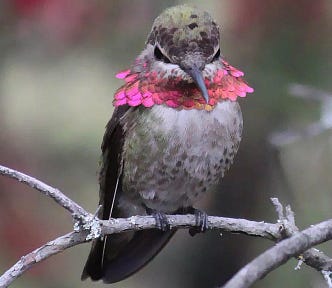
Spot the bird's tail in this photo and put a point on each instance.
(118, 256)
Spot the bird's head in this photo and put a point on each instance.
(181, 65)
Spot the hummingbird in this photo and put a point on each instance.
(174, 132)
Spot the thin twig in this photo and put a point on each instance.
(76, 210)
(308, 92)
(50, 248)
(290, 136)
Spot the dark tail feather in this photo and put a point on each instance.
(140, 250)
(92, 266)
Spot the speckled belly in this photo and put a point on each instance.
(173, 157)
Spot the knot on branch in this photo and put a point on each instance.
(89, 223)
(286, 219)
(328, 278)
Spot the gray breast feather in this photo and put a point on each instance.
(171, 157)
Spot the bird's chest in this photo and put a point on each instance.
(171, 157)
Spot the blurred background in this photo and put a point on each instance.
(58, 59)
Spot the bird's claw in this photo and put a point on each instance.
(201, 223)
(161, 219)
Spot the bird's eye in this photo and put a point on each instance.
(216, 56)
(160, 56)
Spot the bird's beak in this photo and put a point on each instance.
(197, 76)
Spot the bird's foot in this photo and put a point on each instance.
(161, 219)
(201, 221)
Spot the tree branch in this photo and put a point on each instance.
(261, 229)
(88, 227)
(49, 249)
(280, 253)
(76, 210)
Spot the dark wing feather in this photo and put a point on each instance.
(110, 172)
(118, 256)
(111, 167)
